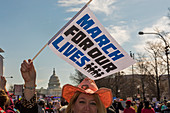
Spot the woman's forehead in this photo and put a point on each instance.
(86, 96)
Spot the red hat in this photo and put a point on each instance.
(128, 102)
(88, 86)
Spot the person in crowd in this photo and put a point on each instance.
(163, 105)
(6, 103)
(85, 97)
(16, 106)
(135, 106)
(41, 106)
(167, 110)
(56, 106)
(3, 100)
(140, 107)
(128, 108)
(157, 108)
(111, 109)
(63, 106)
(147, 108)
(49, 107)
(118, 106)
(28, 101)
(60, 106)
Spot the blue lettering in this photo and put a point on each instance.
(117, 55)
(76, 55)
(82, 63)
(57, 41)
(102, 40)
(70, 50)
(64, 47)
(94, 32)
(108, 47)
(85, 23)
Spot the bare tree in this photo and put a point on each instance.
(157, 65)
(115, 82)
(77, 78)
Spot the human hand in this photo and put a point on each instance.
(58, 105)
(3, 83)
(28, 73)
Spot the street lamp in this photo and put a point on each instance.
(9, 77)
(133, 56)
(166, 52)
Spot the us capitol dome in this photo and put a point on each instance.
(53, 89)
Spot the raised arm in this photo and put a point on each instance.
(29, 75)
(3, 83)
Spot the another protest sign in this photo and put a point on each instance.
(18, 90)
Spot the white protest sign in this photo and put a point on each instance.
(18, 89)
(85, 44)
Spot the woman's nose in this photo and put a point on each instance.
(87, 107)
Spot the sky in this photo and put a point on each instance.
(27, 25)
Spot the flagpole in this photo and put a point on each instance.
(39, 52)
(49, 41)
(88, 2)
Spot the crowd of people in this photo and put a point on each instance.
(84, 98)
(139, 107)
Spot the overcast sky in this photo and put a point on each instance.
(27, 25)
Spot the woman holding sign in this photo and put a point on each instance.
(84, 98)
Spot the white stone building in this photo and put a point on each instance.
(53, 89)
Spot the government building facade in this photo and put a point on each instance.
(53, 89)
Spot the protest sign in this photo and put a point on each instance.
(18, 89)
(85, 44)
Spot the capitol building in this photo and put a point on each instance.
(53, 89)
